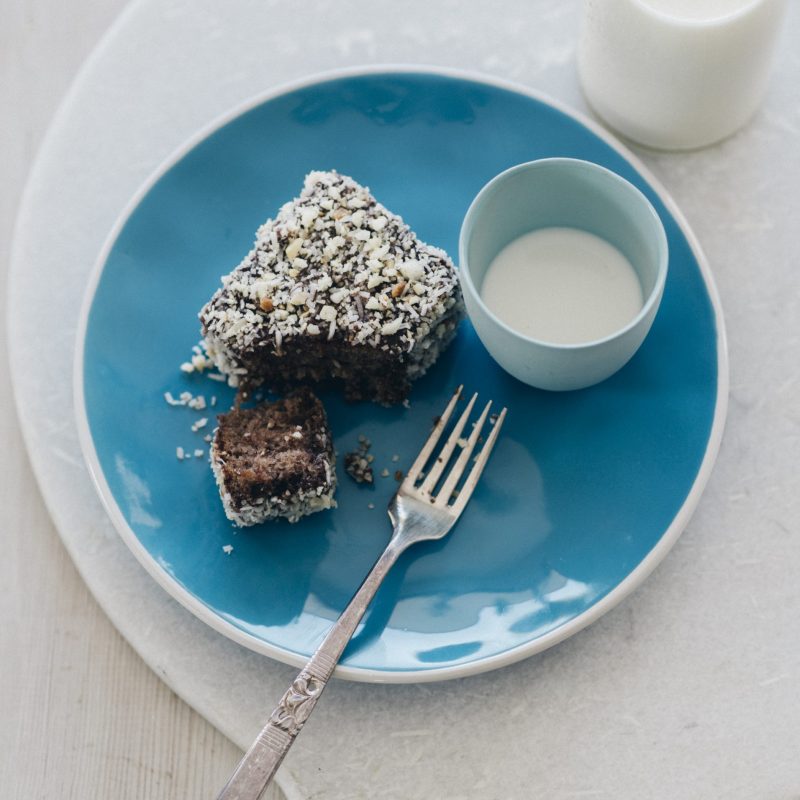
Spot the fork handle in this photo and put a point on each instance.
(260, 763)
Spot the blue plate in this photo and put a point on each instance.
(585, 492)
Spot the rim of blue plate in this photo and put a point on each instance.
(547, 640)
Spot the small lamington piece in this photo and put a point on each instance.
(336, 287)
(274, 460)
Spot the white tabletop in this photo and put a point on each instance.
(688, 689)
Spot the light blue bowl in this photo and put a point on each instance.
(561, 192)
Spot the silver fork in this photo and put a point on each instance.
(418, 513)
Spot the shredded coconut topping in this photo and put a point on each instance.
(333, 263)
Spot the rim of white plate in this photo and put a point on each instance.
(606, 603)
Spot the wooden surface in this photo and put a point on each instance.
(81, 716)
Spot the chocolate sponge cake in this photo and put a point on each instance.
(274, 460)
(335, 287)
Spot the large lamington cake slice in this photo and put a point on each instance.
(275, 460)
(336, 286)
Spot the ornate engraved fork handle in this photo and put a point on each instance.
(260, 763)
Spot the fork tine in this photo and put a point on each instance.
(443, 495)
(425, 453)
(437, 469)
(475, 474)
